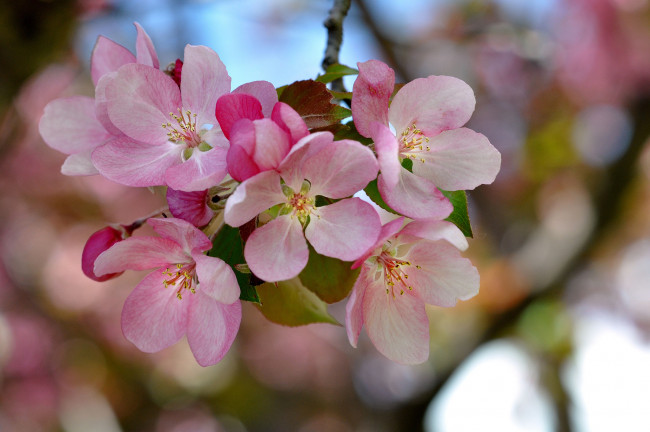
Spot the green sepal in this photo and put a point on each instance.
(228, 246)
(329, 278)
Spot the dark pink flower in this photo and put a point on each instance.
(99, 242)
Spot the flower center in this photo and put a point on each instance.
(414, 142)
(392, 268)
(184, 129)
(299, 204)
(184, 276)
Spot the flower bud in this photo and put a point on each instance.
(97, 243)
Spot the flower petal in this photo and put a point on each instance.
(253, 196)
(182, 232)
(190, 206)
(271, 144)
(107, 57)
(371, 94)
(344, 230)
(278, 250)
(354, 308)
(459, 159)
(205, 79)
(232, 107)
(211, 328)
(241, 165)
(139, 100)
(434, 104)
(144, 50)
(291, 167)
(397, 324)
(153, 318)
(340, 169)
(263, 91)
(435, 229)
(79, 164)
(415, 197)
(202, 170)
(387, 231)
(139, 253)
(136, 164)
(290, 121)
(69, 125)
(444, 277)
(387, 148)
(101, 104)
(216, 279)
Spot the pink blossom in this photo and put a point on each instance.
(97, 243)
(427, 115)
(190, 206)
(259, 138)
(315, 166)
(406, 269)
(188, 293)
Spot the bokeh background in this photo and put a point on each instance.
(557, 339)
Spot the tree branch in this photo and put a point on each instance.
(334, 26)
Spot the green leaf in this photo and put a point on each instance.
(336, 71)
(290, 303)
(312, 100)
(227, 245)
(341, 95)
(373, 193)
(329, 278)
(349, 131)
(459, 216)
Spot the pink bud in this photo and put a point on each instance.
(97, 243)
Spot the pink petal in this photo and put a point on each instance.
(397, 324)
(415, 197)
(69, 125)
(99, 242)
(263, 91)
(241, 165)
(271, 144)
(433, 229)
(434, 104)
(139, 253)
(190, 206)
(211, 328)
(444, 277)
(387, 149)
(291, 167)
(340, 169)
(144, 50)
(153, 317)
(79, 164)
(252, 197)
(344, 230)
(201, 171)
(370, 95)
(354, 308)
(459, 159)
(101, 104)
(216, 279)
(290, 121)
(139, 100)
(278, 250)
(136, 164)
(182, 232)
(205, 79)
(232, 107)
(107, 57)
(387, 231)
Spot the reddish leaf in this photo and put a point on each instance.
(312, 100)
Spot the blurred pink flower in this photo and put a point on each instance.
(406, 269)
(428, 115)
(204, 303)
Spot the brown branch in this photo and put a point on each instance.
(334, 26)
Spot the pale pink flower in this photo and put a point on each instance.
(77, 125)
(259, 138)
(315, 166)
(188, 293)
(427, 115)
(406, 269)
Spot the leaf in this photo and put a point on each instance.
(312, 100)
(329, 278)
(290, 303)
(341, 95)
(373, 193)
(459, 216)
(336, 71)
(349, 131)
(228, 246)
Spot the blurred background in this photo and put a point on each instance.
(557, 339)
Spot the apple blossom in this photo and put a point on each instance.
(188, 293)
(316, 165)
(404, 270)
(427, 115)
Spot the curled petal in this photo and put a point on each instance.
(415, 197)
(271, 144)
(354, 307)
(263, 91)
(387, 149)
(144, 51)
(79, 164)
(371, 94)
(153, 318)
(190, 206)
(97, 243)
(139, 253)
(434, 229)
(278, 250)
(232, 107)
(211, 328)
(290, 121)
(182, 232)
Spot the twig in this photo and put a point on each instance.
(334, 25)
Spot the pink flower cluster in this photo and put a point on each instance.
(245, 159)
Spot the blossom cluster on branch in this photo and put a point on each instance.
(263, 183)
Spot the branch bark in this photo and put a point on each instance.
(334, 26)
